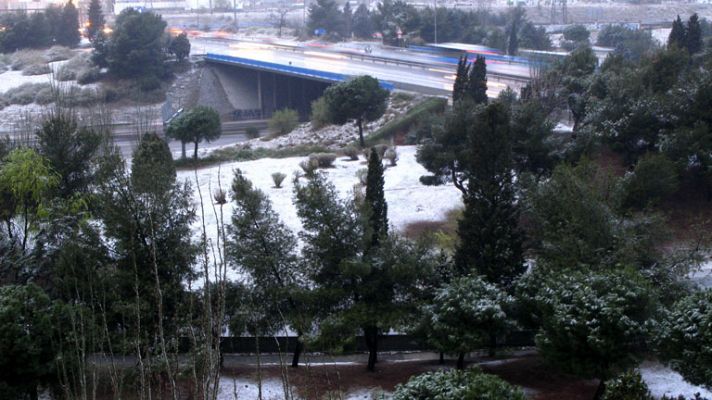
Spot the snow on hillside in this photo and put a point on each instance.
(408, 200)
(663, 381)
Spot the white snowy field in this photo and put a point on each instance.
(408, 200)
(662, 381)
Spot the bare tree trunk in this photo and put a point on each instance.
(461, 361)
(362, 142)
(298, 349)
(371, 335)
(195, 152)
(182, 144)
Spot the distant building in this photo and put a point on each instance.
(120, 5)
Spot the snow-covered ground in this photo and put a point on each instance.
(702, 277)
(663, 381)
(408, 200)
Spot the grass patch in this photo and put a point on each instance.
(442, 234)
(430, 105)
(232, 154)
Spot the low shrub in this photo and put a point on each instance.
(252, 132)
(58, 53)
(283, 121)
(309, 166)
(351, 152)
(36, 69)
(430, 180)
(391, 155)
(45, 95)
(627, 386)
(22, 58)
(149, 83)
(323, 160)
(65, 74)
(278, 178)
(362, 176)
(88, 75)
(654, 179)
(433, 105)
(470, 384)
(25, 93)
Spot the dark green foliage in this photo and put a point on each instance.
(627, 386)
(465, 315)
(631, 44)
(152, 168)
(283, 121)
(180, 47)
(694, 35)
(533, 147)
(490, 241)
(477, 81)
(516, 18)
(375, 201)
(26, 353)
(70, 150)
(577, 33)
(459, 89)
(96, 19)
(195, 125)
(534, 38)
(68, 31)
(136, 46)
(471, 385)
(678, 34)
(262, 247)
(101, 50)
(684, 338)
(594, 324)
(654, 179)
(325, 14)
(362, 23)
(429, 107)
(361, 99)
(348, 20)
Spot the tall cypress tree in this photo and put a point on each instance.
(375, 201)
(694, 35)
(96, 19)
(459, 89)
(490, 241)
(477, 81)
(678, 35)
(68, 31)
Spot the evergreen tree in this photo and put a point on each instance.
(362, 23)
(180, 47)
(375, 201)
(136, 47)
(348, 20)
(96, 19)
(694, 35)
(265, 249)
(490, 241)
(515, 23)
(459, 89)
(678, 34)
(195, 125)
(68, 31)
(477, 81)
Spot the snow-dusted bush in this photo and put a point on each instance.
(88, 75)
(430, 180)
(319, 113)
(324, 160)
(471, 384)
(684, 338)
(72, 68)
(309, 166)
(594, 323)
(351, 152)
(362, 176)
(627, 386)
(58, 53)
(654, 179)
(466, 315)
(36, 69)
(65, 74)
(22, 58)
(45, 95)
(392, 156)
(278, 178)
(25, 93)
(252, 132)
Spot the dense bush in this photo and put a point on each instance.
(252, 132)
(323, 160)
(283, 121)
(351, 152)
(430, 180)
(88, 75)
(433, 105)
(453, 385)
(627, 386)
(391, 155)
(25, 93)
(320, 113)
(58, 53)
(36, 69)
(654, 179)
(23, 58)
(684, 339)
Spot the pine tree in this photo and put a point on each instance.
(266, 250)
(477, 81)
(375, 201)
(459, 89)
(490, 241)
(68, 32)
(96, 19)
(694, 35)
(678, 34)
(348, 19)
(362, 23)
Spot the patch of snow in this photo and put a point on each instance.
(663, 381)
(13, 79)
(241, 388)
(408, 200)
(702, 277)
